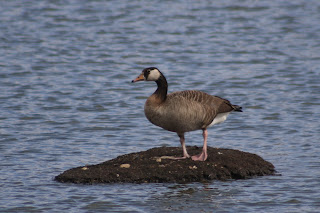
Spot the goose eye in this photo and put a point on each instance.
(146, 74)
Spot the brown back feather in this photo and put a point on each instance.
(210, 105)
(216, 103)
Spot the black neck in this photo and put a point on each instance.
(162, 89)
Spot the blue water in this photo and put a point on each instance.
(66, 99)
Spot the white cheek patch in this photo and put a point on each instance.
(154, 75)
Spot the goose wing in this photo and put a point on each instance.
(215, 103)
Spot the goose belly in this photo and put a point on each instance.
(172, 120)
(219, 118)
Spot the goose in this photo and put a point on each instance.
(184, 111)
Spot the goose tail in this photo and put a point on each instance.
(237, 108)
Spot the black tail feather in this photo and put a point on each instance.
(237, 108)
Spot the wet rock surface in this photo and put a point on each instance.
(151, 167)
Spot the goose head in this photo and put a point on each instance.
(149, 74)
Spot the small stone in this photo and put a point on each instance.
(84, 168)
(193, 167)
(125, 165)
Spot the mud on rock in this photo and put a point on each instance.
(149, 167)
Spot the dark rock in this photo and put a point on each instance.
(147, 167)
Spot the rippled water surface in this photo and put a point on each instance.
(66, 99)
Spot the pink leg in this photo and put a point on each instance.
(185, 153)
(203, 155)
(183, 144)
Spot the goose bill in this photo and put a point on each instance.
(139, 78)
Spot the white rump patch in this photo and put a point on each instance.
(153, 75)
(220, 118)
